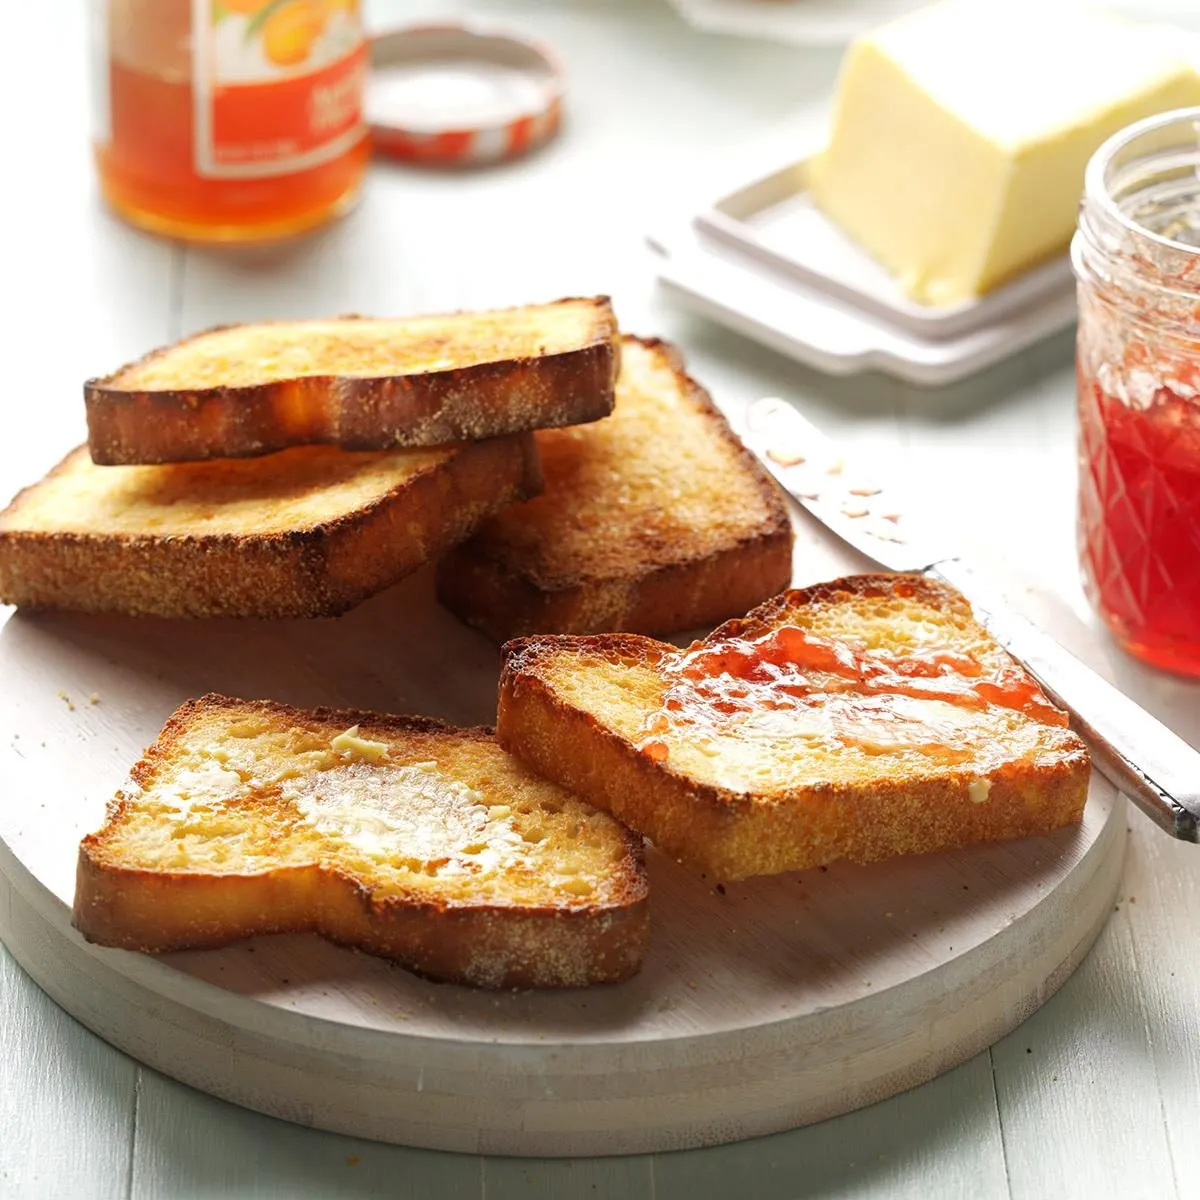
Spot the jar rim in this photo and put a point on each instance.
(1096, 181)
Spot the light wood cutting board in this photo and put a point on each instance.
(763, 1006)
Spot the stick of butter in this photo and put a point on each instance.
(961, 134)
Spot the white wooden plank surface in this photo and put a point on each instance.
(1063, 1081)
(896, 1150)
(648, 101)
(647, 98)
(66, 1100)
(1158, 906)
(549, 1179)
(191, 1145)
(81, 289)
(1162, 895)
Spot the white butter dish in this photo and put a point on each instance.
(823, 331)
(751, 251)
(773, 220)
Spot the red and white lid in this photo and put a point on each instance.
(461, 94)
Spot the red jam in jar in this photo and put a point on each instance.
(1137, 259)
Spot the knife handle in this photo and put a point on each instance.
(1153, 766)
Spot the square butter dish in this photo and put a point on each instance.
(758, 255)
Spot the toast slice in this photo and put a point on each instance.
(358, 383)
(857, 719)
(398, 835)
(307, 532)
(654, 520)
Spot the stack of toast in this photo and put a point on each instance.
(579, 492)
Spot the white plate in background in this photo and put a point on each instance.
(831, 22)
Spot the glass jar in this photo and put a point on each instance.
(1137, 260)
(229, 120)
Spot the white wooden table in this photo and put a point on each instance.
(1094, 1096)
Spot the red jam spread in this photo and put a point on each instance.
(791, 669)
(1139, 510)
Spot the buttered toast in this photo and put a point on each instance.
(358, 383)
(653, 520)
(858, 719)
(400, 836)
(303, 533)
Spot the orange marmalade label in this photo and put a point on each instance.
(277, 84)
(716, 683)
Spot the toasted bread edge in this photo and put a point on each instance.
(316, 571)
(482, 945)
(504, 604)
(470, 403)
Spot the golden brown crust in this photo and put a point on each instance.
(477, 942)
(481, 947)
(873, 585)
(731, 835)
(435, 407)
(597, 579)
(314, 570)
(662, 600)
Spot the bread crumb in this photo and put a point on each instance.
(66, 700)
(352, 1160)
(692, 984)
(94, 698)
(786, 455)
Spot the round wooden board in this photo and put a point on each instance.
(762, 1006)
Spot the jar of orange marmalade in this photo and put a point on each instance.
(1137, 260)
(229, 120)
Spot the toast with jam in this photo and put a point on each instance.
(399, 836)
(358, 383)
(858, 719)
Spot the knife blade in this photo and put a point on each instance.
(1144, 759)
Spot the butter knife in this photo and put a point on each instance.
(1153, 766)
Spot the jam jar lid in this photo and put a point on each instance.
(461, 94)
